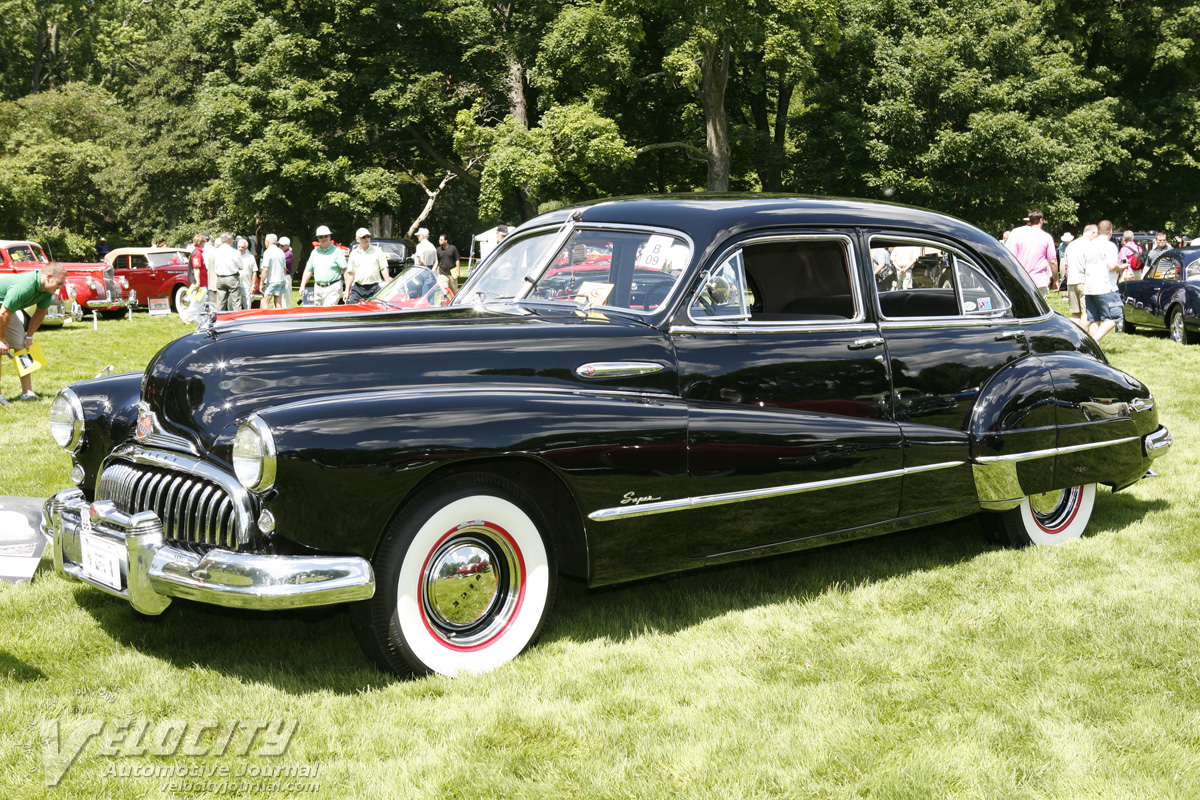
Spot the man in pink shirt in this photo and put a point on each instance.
(1034, 248)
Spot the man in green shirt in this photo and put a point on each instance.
(20, 291)
(325, 266)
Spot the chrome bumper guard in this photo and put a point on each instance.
(148, 572)
(1157, 443)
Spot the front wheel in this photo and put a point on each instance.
(1043, 519)
(465, 579)
(177, 298)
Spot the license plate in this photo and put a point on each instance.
(102, 558)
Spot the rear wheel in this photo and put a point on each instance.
(1043, 519)
(177, 295)
(465, 579)
(1176, 328)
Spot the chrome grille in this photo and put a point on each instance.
(191, 509)
(110, 284)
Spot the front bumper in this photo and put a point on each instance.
(128, 557)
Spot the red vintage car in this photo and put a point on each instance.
(89, 286)
(152, 272)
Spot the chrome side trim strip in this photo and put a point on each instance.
(706, 501)
(1053, 451)
(617, 369)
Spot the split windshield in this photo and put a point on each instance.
(635, 270)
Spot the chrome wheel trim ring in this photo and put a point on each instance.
(1177, 330)
(467, 609)
(1054, 511)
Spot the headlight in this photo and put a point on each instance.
(91, 284)
(121, 280)
(254, 455)
(1193, 271)
(66, 421)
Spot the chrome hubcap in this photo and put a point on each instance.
(471, 585)
(1053, 510)
(1177, 326)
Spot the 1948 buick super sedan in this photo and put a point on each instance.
(620, 390)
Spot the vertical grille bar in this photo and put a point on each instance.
(191, 509)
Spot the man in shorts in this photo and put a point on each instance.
(1100, 269)
(20, 291)
(1073, 259)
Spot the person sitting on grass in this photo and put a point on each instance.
(20, 291)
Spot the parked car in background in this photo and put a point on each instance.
(89, 287)
(152, 272)
(621, 390)
(1167, 298)
(397, 253)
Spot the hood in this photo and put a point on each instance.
(201, 385)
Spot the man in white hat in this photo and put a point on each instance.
(325, 266)
(274, 275)
(426, 252)
(285, 244)
(367, 269)
(226, 286)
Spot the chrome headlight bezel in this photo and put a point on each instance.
(1193, 271)
(67, 430)
(254, 454)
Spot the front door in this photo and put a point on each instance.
(786, 384)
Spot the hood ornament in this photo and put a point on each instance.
(207, 319)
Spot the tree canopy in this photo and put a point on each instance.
(139, 119)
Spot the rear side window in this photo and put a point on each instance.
(786, 280)
(924, 279)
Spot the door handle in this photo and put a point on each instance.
(1008, 336)
(866, 344)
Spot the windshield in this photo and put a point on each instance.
(414, 287)
(393, 248)
(177, 258)
(24, 253)
(630, 269)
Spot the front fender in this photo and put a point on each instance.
(1058, 420)
(109, 416)
(346, 464)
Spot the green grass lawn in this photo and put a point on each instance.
(926, 664)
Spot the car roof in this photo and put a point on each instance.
(707, 217)
(9, 242)
(145, 250)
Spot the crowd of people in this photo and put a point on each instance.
(1086, 268)
(229, 270)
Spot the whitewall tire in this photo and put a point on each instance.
(1044, 519)
(465, 580)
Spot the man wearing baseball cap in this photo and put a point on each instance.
(426, 252)
(325, 266)
(368, 268)
(285, 244)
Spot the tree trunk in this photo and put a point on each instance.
(714, 75)
(517, 104)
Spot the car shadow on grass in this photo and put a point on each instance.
(312, 650)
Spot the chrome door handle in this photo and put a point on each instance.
(866, 344)
(1008, 336)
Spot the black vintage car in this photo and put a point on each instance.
(1167, 297)
(620, 390)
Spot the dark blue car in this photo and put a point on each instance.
(1168, 297)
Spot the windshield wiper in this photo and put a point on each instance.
(560, 239)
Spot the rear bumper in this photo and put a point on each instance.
(129, 558)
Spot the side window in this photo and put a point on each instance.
(800, 280)
(138, 262)
(921, 279)
(1167, 268)
(723, 294)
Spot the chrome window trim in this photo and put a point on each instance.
(917, 241)
(927, 323)
(706, 501)
(808, 326)
(765, 326)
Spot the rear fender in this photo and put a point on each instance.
(1054, 421)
